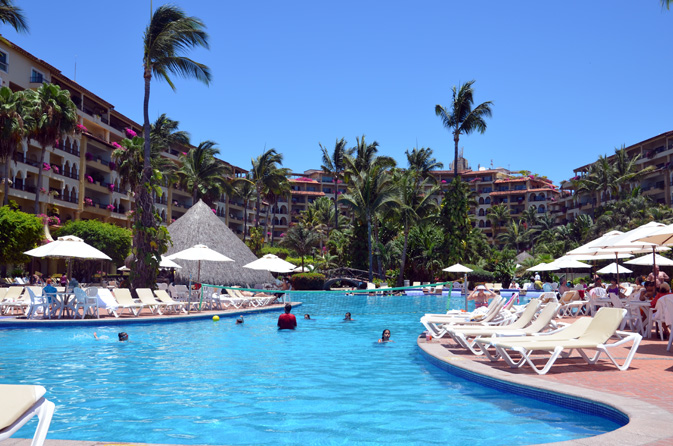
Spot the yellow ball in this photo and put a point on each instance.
(216, 318)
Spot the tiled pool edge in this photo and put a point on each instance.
(647, 423)
(42, 323)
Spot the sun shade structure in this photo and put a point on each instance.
(168, 263)
(648, 260)
(543, 267)
(305, 269)
(567, 262)
(457, 268)
(201, 226)
(68, 247)
(614, 268)
(273, 263)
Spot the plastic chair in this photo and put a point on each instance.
(37, 303)
(92, 299)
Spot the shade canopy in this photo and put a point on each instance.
(662, 236)
(167, 263)
(568, 262)
(543, 267)
(68, 247)
(201, 253)
(612, 269)
(306, 269)
(628, 242)
(124, 268)
(273, 263)
(649, 260)
(587, 248)
(457, 268)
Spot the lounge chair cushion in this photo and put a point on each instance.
(16, 400)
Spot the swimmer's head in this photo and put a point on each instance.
(385, 335)
(306, 316)
(123, 336)
(239, 320)
(347, 317)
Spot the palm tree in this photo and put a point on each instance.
(530, 216)
(300, 239)
(333, 164)
(244, 189)
(414, 205)
(516, 235)
(626, 170)
(13, 16)
(422, 162)
(12, 128)
(281, 188)
(266, 175)
(460, 117)
(365, 155)
(498, 215)
(167, 37)
(165, 135)
(666, 4)
(203, 174)
(53, 115)
(369, 192)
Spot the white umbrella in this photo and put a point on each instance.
(198, 253)
(271, 262)
(614, 268)
(586, 249)
(168, 263)
(457, 268)
(662, 236)
(569, 262)
(68, 247)
(647, 260)
(124, 268)
(543, 267)
(299, 269)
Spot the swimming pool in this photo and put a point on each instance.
(329, 382)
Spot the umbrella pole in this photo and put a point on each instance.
(199, 281)
(617, 263)
(189, 295)
(465, 287)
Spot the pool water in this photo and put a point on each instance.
(327, 383)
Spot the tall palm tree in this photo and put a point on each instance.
(244, 189)
(366, 155)
(266, 175)
(300, 239)
(12, 15)
(460, 117)
(422, 162)
(369, 191)
(281, 188)
(516, 236)
(415, 204)
(666, 4)
(168, 36)
(203, 174)
(498, 215)
(530, 216)
(626, 170)
(13, 114)
(334, 165)
(165, 135)
(53, 115)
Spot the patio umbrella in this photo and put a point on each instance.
(543, 267)
(648, 260)
(68, 247)
(199, 253)
(273, 263)
(458, 268)
(167, 263)
(614, 268)
(124, 268)
(306, 269)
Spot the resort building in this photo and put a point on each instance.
(79, 177)
(656, 152)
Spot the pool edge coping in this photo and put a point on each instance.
(646, 422)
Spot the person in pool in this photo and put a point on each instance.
(287, 321)
(123, 336)
(239, 320)
(481, 295)
(348, 317)
(385, 336)
(307, 316)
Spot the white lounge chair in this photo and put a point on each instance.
(437, 325)
(15, 299)
(163, 297)
(20, 403)
(126, 302)
(601, 328)
(147, 298)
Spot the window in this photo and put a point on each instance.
(4, 63)
(36, 77)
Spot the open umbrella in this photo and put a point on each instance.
(68, 247)
(305, 269)
(647, 260)
(614, 268)
(458, 268)
(167, 263)
(271, 262)
(199, 253)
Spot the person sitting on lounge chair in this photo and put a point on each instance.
(481, 295)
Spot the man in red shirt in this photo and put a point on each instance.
(287, 321)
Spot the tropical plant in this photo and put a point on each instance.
(364, 155)
(244, 189)
(454, 219)
(499, 216)
(333, 164)
(111, 239)
(13, 128)
(266, 175)
(516, 236)
(370, 190)
(461, 118)
(421, 162)
(53, 115)
(203, 174)
(272, 194)
(19, 232)
(416, 203)
(301, 240)
(12, 15)
(167, 37)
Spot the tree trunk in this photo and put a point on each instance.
(5, 199)
(379, 266)
(455, 155)
(266, 222)
(273, 223)
(369, 245)
(336, 205)
(400, 278)
(146, 116)
(39, 179)
(245, 219)
(259, 204)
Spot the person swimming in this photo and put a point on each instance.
(348, 317)
(239, 320)
(123, 336)
(307, 316)
(385, 336)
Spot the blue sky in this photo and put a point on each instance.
(569, 80)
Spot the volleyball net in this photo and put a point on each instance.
(392, 300)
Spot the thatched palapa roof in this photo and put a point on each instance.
(201, 226)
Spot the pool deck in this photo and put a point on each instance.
(644, 392)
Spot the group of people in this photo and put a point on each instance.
(287, 321)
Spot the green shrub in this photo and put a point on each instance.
(297, 261)
(280, 252)
(307, 281)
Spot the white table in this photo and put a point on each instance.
(646, 308)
